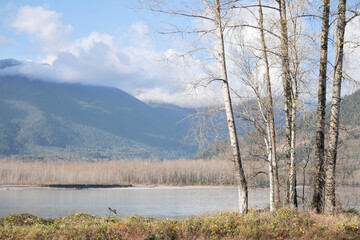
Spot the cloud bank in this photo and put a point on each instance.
(133, 63)
(102, 59)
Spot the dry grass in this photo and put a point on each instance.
(185, 172)
(170, 172)
(282, 224)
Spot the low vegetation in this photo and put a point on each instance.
(282, 224)
(217, 171)
(174, 172)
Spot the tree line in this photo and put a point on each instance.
(272, 50)
(133, 171)
(216, 171)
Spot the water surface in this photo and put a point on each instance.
(158, 202)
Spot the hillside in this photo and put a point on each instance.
(348, 163)
(47, 119)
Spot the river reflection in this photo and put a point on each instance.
(158, 202)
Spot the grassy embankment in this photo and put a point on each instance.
(283, 224)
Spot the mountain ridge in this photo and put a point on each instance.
(39, 117)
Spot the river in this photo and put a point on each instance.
(158, 202)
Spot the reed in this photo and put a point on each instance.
(172, 172)
(139, 171)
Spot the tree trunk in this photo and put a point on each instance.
(287, 91)
(273, 170)
(292, 172)
(240, 176)
(329, 204)
(318, 197)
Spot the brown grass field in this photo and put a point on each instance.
(257, 224)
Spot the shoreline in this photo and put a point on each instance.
(86, 186)
(109, 186)
(130, 186)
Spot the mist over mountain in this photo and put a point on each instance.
(71, 120)
(9, 63)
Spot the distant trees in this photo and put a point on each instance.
(130, 171)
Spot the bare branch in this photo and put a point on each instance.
(180, 14)
(255, 27)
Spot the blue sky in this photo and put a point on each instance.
(111, 43)
(85, 16)
(108, 42)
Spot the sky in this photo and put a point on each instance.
(110, 43)
(107, 43)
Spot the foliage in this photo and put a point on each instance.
(282, 224)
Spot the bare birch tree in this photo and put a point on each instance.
(250, 63)
(329, 191)
(257, 113)
(273, 169)
(240, 176)
(289, 112)
(318, 198)
(293, 56)
(214, 15)
(262, 113)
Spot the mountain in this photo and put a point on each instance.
(5, 63)
(47, 119)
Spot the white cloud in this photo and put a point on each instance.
(132, 61)
(85, 44)
(100, 59)
(352, 56)
(44, 25)
(139, 34)
(48, 59)
(159, 95)
(96, 60)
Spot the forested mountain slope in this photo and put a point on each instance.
(40, 118)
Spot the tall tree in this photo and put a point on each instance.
(318, 197)
(211, 12)
(289, 112)
(330, 166)
(273, 169)
(240, 176)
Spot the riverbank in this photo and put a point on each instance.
(257, 224)
(84, 186)
(114, 186)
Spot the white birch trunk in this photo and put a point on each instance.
(271, 170)
(270, 124)
(240, 176)
(292, 177)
